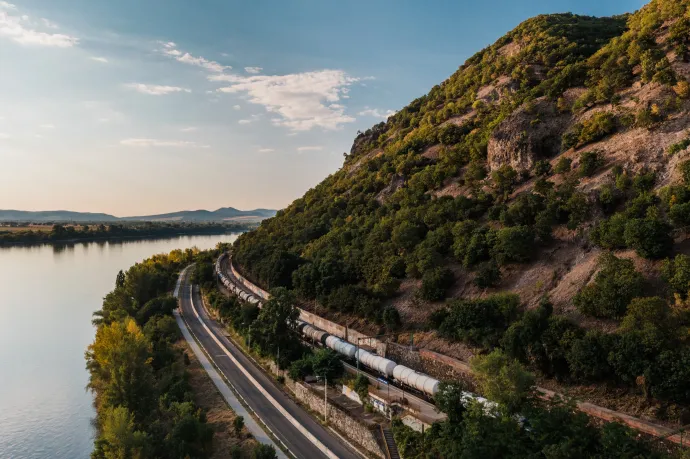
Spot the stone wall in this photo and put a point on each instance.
(348, 426)
(432, 363)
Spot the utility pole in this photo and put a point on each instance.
(250, 338)
(325, 399)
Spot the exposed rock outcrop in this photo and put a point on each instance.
(527, 135)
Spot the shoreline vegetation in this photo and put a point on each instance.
(142, 379)
(28, 235)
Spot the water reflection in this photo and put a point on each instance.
(49, 295)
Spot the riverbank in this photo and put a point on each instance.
(120, 238)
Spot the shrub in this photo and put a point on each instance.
(542, 168)
(578, 209)
(482, 321)
(391, 318)
(514, 244)
(616, 284)
(504, 179)
(563, 165)
(676, 273)
(488, 275)
(678, 147)
(610, 233)
(597, 127)
(590, 161)
(588, 356)
(684, 169)
(435, 283)
(649, 237)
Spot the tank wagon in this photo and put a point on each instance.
(404, 375)
(225, 280)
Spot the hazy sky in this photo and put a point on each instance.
(145, 106)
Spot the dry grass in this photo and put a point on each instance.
(218, 414)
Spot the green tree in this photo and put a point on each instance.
(504, 380)
(435, 283)
(614, 286)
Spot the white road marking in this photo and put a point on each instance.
(261, 389)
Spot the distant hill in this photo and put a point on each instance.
(219, 215)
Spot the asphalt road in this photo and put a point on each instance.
(281, 417)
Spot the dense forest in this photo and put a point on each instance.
(565, 140)
(28, 234)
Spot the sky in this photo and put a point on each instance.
(135, 107)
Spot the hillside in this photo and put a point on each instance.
(535, 201)
(223, 214)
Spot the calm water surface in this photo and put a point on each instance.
(48, 296)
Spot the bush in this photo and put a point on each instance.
(391, 318)
(678, 147)
(504, 179)
(563, 165)
(676, 273)
(616, 284)
(591, 130)
(435, 283)
(514, 244)
(684, 169)
(590, 161)
(481, 321)
(610, 233)
(542, 168)
(588, 356)
(488, 275)
(650, 237)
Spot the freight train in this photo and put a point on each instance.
(388, 368)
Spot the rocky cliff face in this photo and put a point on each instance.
(530, 133)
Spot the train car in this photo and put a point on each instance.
(341, 347)
(315, 334)
(375, 362)
(419, 381)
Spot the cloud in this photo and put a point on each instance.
(170, 49)
(154, 89)
(253, 70)
(245, 121)
(47, 126)
(134, 142)
(302, 101)
(102, 60)
(237, 107)
(266, 150)
(312, 148)
(49, 24)
(375, 113)
(4, 136)
(20, 30)
(189, 129)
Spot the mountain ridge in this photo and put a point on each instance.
(200, 215)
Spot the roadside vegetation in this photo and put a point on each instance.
(144, 403)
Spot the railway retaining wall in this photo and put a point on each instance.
(340, 420)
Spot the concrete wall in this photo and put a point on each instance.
(258, 291)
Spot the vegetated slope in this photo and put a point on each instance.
(563, 140)
(219, 215)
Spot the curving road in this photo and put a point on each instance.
(294, 427)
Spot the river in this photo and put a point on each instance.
(48, 296)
